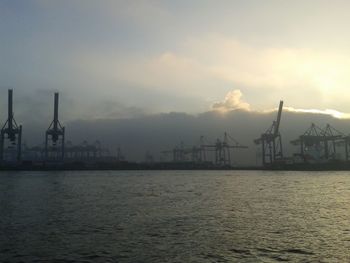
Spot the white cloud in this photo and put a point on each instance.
(297, 74)
(232, 101)
(333, 113)
(203, 68)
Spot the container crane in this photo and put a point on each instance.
(55, 135)
(223, 148)
(318, 144)
(271, 141)
(12, 130)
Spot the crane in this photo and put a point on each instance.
(12, 130)
(271, 141)
(322, 142)
(55, 134)
(223, 148)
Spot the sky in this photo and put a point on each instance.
(127, 59)
(122, 58)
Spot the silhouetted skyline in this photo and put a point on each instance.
(147, 75)
(158, 132)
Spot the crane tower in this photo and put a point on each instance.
(11, 133)
(271, 141)
(55, 136)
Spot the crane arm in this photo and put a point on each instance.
(277, 124)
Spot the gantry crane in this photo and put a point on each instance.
(11, 132)
(271, 141)
(346, 143)
(198, 153)
(331, 138)
(55, 136)
(223, 148)
(194, 154)
(178, 153)
(319, 144)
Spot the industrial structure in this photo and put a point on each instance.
(80, 153)
(55, 137)
(86, 152)
(346, 143)
(11, 135)
(149, 159)
(318, 148)
(271, 141)
(198, 154)
(319, 145)
(178, 153)
(54, 149)
(222, 149)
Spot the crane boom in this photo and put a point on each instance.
(278, 121)
(55, 115)
(10, 112)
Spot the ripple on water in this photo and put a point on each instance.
(298, 251)
(240, 251)
(192, 216)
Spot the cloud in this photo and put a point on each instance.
(334, 113)
(232, 101)
(272, 72)
(116, 48)
(204, 67)
(159, 132)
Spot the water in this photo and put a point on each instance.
(174, 216)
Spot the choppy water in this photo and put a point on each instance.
(175, 216)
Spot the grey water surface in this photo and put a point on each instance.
(174, 216)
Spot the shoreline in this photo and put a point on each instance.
(128, 166)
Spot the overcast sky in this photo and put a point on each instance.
(123, 67)
(113, 59)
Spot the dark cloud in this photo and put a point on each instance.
(155, 133)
